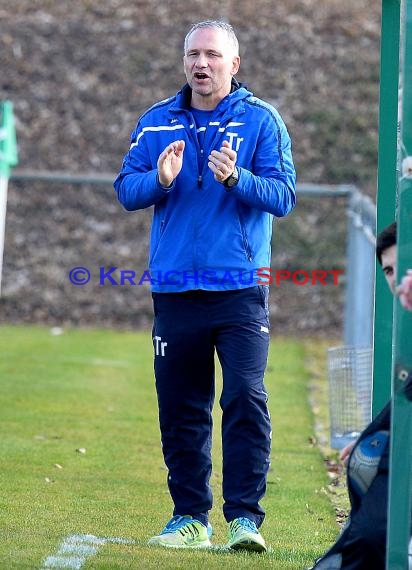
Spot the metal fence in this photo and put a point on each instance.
(358, 321)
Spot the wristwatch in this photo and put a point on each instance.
(231, 180)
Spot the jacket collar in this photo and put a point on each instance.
(184, 96)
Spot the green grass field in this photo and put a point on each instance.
(93, 391)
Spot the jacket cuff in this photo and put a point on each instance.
(164, 188)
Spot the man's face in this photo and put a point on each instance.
(210, 62)
(389, 266)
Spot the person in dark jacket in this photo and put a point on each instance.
(215, 162)
(362, 542)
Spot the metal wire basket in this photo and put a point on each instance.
(350, 387)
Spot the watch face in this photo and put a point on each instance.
(233, 179)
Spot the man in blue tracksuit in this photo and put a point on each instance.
(216, 163)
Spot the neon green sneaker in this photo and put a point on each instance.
(183, 532)
(243, 535)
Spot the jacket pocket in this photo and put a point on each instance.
(155, 247)
(246, 245)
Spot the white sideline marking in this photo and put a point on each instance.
(76, 549)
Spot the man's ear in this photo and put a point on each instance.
(235, 64)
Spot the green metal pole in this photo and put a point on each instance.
(400, 467)
(386, 195)
(8, 143)
(8, 158)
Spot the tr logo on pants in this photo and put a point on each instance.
(159, 346)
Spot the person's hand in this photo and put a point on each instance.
(170, 162)
(404, 290)
(345, 452)
(222, 162)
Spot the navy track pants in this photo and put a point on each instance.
(188, 328)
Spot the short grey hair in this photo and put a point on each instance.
(216, 24)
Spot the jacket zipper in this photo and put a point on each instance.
(201, 167)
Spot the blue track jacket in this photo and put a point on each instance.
(202, 236)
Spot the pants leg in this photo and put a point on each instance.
(242, 349)
(184, 370)
(365, 544)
